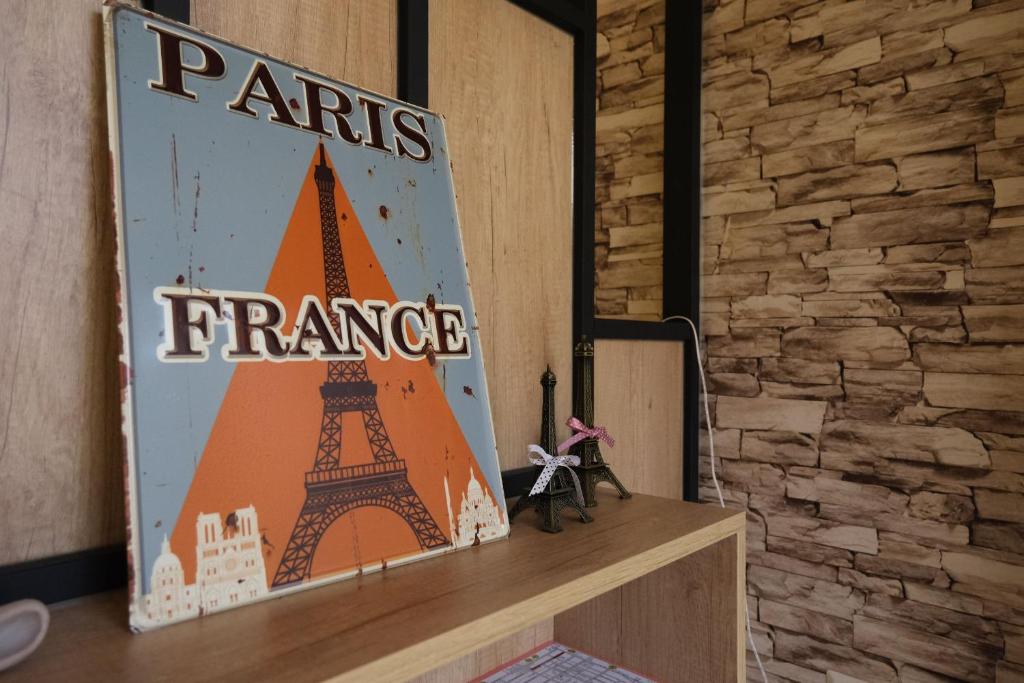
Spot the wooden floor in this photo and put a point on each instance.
(409, 620)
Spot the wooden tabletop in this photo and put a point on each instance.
(391, 625)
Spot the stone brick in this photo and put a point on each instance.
(824, 63)
(726, 149)
(997, 249)
(628, 274)
(773, 240)
(865, 94)
(822, 212)
(910, 226)
(858, 538)
(1009, 191)
(631, 236)
(849, 493)
(984, 571)
(843, 182)
(630, 118)
(851, 308)
(758, 10)
(887, 278)
(825, 597)
(809, 130)
(936, 252)
(766, 306)
(943, 507)
(923, 134)
(793, 565)
(998, 536)
(870, 584)
(936, 169)
(821, 626)
(980, 92)
(734, 90)
(901, 560)
(752, 477)
(798, 281)
(801, 371)
(936, 653)
(815, 87)
(617, 75)
(747, 116)
(831, 657)
(978, 31)
(803, 159)
(977, 359)
(1010, 123)
(903, 43)
(995, 323)
(892, 68)
(737, 284)
(745, 344)
(733, 384)
(789, 262)
(1007, 507)
(779, 447)
(883, 345)
(996, 163)
(903, 386)
(810, 392)
(958, 194)
(844, 257)
(732, 171)
(738, 201)
(971, 390)
(940, 445)
(771, 414)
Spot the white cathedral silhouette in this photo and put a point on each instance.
(229, 570)
(479, 518)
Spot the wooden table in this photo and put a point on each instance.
(653, 584)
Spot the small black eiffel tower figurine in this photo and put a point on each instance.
(592, 468)
(560, 492)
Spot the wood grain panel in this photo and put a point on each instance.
(638, 396)
(677, 623)
(353, 41)
(503, 80)
(408, 620)
(60, 457)
(491, 656)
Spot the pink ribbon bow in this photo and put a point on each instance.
(584, 432)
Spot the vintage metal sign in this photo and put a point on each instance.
(304, 397)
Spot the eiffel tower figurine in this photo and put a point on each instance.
(331, 488)
(560, 492)
(592, 468)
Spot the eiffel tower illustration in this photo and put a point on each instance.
(333, 489)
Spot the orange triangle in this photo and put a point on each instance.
(265, 436)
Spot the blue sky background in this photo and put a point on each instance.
(207, 196)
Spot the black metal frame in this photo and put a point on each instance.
(178, 10)
(61, 577)
(682, 215)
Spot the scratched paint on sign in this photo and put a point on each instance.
(303, 392)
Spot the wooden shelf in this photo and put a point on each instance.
(393, 625)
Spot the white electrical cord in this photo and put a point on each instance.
(714, 474)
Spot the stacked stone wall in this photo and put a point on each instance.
(863, 282)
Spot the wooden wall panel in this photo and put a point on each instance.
(60, 460)
(638, 396)
(683, 622)
(353, 41)
(503, 80)
(60, 454)
(488, 658)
